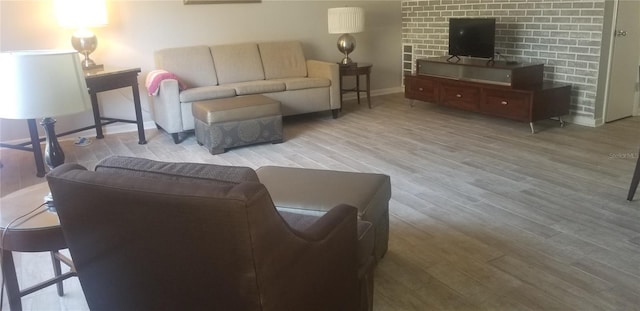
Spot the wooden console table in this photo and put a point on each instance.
(513, 91)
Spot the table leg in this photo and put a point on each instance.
(138, 108)
(368, 90)
(340, 89)
(11, 281)
(57, 271)
(35, 146)
(635, 180)
(96, 114)
(358, 87)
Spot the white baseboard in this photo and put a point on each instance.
(378, 92)
(130, 127)
(117, 128)
(111, 129)
(584, 121)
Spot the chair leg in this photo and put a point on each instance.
(57, 271)
(11, 281)
(634, 181)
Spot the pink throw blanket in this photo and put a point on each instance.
(156, 76)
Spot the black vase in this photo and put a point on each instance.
(53, 154)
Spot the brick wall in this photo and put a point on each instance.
(565, 35)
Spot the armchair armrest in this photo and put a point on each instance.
(321, 228)
(331, 71)
(323, 252)
(216, 174)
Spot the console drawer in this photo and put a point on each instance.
(463, 97)
(512, 105)
(421, 89)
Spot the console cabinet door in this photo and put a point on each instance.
(460, 96)
(512, 105)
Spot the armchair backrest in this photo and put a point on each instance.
(152, 244)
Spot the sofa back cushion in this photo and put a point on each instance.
(193, 64)
(237, 62)
(283, 59)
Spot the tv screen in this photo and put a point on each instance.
(474, 37)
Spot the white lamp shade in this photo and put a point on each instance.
(81, 13)
(38, 84)
(346, 20)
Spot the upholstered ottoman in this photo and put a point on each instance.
(310, 191)
(224, 123)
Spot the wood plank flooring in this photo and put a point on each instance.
(484, 214)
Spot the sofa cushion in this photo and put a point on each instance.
(182, 172)
(257, 87)
(237, 62)
(283, 59)
(292, 84)
(205, 93)
(193, 65)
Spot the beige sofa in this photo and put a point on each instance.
(278, 70)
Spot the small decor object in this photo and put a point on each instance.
(82, 141)
(346, 21)
(81, 15)
(42, 84)
(218, 1)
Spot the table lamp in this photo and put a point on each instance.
(42, 84)
(80, 15)
(345, 21)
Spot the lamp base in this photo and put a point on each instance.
(92, 66)
(85, 42)
(53, 154)
(346, 61)
(346, 44)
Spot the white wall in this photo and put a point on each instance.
(137, 28)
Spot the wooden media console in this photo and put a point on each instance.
(510, 90)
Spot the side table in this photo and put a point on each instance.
(41, 233)
(100, 80)
(356, 69)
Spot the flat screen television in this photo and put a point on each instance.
(473, 37)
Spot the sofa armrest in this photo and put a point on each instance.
(176, 171)
(167, 112)
(331, 71)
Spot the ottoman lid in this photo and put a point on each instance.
(321, 190)
(235, 108)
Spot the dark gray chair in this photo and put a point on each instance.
(150, 240)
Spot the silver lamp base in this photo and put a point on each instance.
(346, 45)
(85, 44)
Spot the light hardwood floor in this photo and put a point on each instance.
(484, 214)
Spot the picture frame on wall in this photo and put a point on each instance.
(219, 1)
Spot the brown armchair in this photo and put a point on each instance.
(178, 243)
